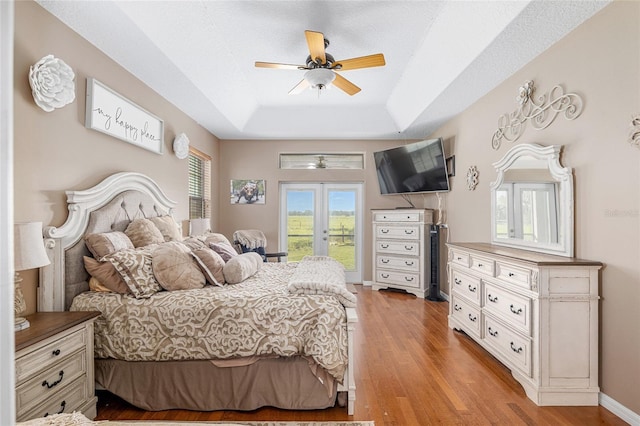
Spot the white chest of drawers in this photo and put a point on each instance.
(538, 314)
(54, 365)
(401, 250)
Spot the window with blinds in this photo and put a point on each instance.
(199, 185)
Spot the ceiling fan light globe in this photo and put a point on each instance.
(319, 77)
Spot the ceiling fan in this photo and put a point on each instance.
(321, 67)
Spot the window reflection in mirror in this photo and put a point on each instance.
(527, 211)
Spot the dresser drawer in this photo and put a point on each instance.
(397, 247)
(47, 383)
(48, 354)
(465, 314)
(409, 232)
(482, 264)
(514, 274)
(514, 347)
(411, 264)
(396, 217)
(466, 285)
(514, 309)
(398, 278)
(460, 258)
(67, 400)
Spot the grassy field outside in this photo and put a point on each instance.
(341, 238)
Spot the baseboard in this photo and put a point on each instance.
(445, 296)
(619, 410)
(367, 283)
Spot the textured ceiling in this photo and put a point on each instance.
(441, 57)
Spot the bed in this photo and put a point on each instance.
(280, 336)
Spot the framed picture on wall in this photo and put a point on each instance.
(248, 191)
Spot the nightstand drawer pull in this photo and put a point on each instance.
(56, 352)
(62, 405)
(493, 333)
(492, 299)
(473, 319)
(517, 312)
(49, 386)
(472, 289)
(516, 350)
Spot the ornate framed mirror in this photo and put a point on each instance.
(532, 201)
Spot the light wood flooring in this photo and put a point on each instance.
(411, 369)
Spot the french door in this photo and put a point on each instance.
(323, 219)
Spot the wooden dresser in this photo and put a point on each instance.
(536, 313)
(401, 250)
(54, 365)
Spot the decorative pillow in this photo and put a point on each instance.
(213, 237)
(211, 264)
(225, 250)
(134, 266)
(143, 232)
(167, 227)
(95, 285)
(241, 267)
(106, 274)
(106, 243)
(193, 243)
(175, 268)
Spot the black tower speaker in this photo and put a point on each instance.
(434, 243)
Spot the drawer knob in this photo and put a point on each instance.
(408, 231)
(516, 350)
(385, 275)
(511, 274)
(493, 299)
(406, 262)
(49, 386)
(408, 279)
(473, 318)
(62, 405)
(493, 333)
(56, 352)
(384, 231)
(479, 265)
(472, 289)
(457, 308)
(514, 310)
(408, 248)
(459, 258)
(384, 260)
(384, 246)
(457, 281)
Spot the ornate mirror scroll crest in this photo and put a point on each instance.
(540, 111)
(534, 169)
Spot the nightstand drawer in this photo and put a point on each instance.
(49, 382)
(411, 264)
(51, 352)
(65, 401)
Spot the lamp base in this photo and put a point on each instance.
(21, 324)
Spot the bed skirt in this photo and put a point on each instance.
(286, 383)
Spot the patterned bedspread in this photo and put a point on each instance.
(256, 317)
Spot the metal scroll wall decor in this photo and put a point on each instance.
(541, 111)
(634, 132)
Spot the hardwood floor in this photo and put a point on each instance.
(411, 370)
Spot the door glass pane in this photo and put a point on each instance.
(300, 208)
(342, 210)
(502, 213)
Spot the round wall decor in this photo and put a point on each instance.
(181, 146)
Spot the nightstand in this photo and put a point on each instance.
(54, 365)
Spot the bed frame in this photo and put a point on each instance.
(110, 206)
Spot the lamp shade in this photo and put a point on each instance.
(28, 246)
(319, 77)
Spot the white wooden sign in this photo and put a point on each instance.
(109, 112)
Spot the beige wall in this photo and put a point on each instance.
(600, 60)
(54, 152)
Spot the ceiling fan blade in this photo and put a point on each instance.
(345, 85)
(279, 66)
(300, 87)
(376, 60)
(315, 41)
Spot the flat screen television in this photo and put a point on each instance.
(412, 168)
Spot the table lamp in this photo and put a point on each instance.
(28, 253)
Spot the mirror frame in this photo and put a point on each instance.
(564, 176)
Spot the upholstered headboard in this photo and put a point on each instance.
(108, 206)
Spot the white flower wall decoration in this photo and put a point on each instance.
(51, 81)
